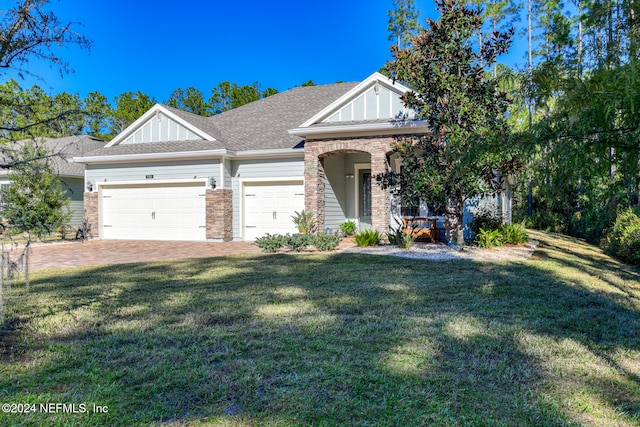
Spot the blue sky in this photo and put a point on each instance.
(158, 46)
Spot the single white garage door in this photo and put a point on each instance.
(268, 208)
(154, 212)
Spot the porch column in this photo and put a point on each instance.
(380, 199)
(314, 184)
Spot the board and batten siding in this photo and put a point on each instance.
(259, 170)
(187, 169)
(160, 128)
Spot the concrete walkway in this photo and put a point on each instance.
(105, 252)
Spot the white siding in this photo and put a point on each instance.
(260, 170)
(74, 188)
(335, 192)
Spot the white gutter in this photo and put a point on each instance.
(414, 126)
(278, 152)
(117, 158)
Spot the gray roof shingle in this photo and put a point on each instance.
(260, 125)
(264, 124)
(64, 150)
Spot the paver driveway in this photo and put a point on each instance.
(104, 252)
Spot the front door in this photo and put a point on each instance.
(364, 198)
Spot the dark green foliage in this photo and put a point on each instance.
(486, 218)
(326, 242)
(270, 242)
(367, 238)
(623, 240)
(464, 156)
(35, 201)
(398, 237)
(297, 242)
(348, 227)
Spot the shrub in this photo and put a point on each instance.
(367, 238)
(348, 227)
(514, 234)
(305, 222)
(399, 238)
(326, 242)
(488, 238)
(297, 242)
(485, 218)
(270, 242)
(623, 240)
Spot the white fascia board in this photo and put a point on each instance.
(366, 129)
(150, 114)
(352, 94)
(280, 152)
(148, 157)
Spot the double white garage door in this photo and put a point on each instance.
(178, 211)
(154, 212)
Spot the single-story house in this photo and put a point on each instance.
(63, 150)
(173, 175)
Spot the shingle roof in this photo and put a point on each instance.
(64, 149)
(157, 147)
(264, 124)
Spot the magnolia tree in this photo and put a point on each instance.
(463, 156)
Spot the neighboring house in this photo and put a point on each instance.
(173, 175)
(71, 174)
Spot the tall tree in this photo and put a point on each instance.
(229, 95)
(451, 91)
(129, 106)
(190, 100)
(29, 31)
(403, 22)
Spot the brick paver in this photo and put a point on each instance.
(105, 252)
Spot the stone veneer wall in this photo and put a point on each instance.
(219, 206)
(91, 214)
(315, 151)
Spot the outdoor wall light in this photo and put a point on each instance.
(349, 176)
(212, 182)
(89, 187)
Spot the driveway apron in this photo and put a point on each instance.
(106, 252)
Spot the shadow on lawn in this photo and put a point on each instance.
(336, 339)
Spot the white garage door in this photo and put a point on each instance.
(268, 208)
(154, 212)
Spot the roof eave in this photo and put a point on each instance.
(367, 129)
(148, 157)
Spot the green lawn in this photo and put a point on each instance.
(330, 339)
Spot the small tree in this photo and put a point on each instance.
(451, 91)
(34, 202)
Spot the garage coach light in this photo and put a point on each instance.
(212, 182)
(89, 187)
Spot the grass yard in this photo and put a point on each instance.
(330, 339)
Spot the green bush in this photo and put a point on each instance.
(297, 242)
(326, 242)
(305, 222)
(485, 218)
(513, 234)
(270, 242)
(348, 227)
(399, 238)
(488, 238)
(367, 238)
(623, 240)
